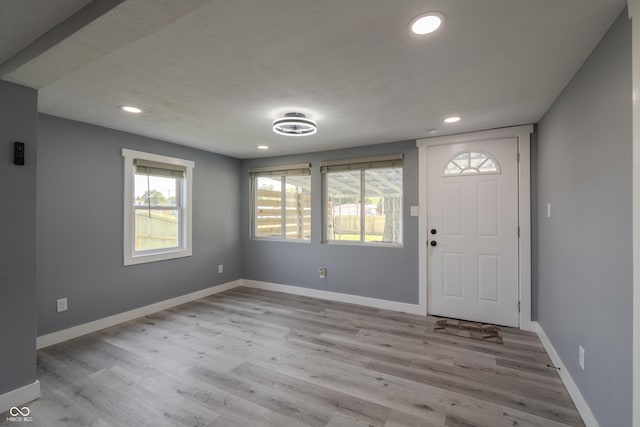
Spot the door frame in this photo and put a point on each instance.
(523, 136)
(634, 15)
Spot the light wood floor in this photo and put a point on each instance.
(255, 358)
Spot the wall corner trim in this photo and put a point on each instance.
(583, 408)
(19, 396)
(634, 14)
(634, 8)
(106, 322)
(338, 297)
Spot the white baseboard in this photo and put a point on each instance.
(19, 396)
(336, 296)
(581, 404)
(96, 325)
(86, 328)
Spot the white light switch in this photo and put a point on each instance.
(548, 210)
(415, 210)
(61, 305)
(220, 269)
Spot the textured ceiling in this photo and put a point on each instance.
(23, 21)
(215, 74)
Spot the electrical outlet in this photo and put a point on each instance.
(322, 272)
(220, 269)
(581, 356)
(62, 305)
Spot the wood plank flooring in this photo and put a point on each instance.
(248, 357)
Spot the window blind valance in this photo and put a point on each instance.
(288, 170)
(148, 167)
(375, 162)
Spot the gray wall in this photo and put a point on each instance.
(386, 273)
(584, 249)
(18, 122)
(80, 225)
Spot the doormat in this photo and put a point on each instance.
(477, 331)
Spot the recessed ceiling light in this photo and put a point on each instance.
(426, 23)
(294, 124)
(452, 119)
(263, 147)
(131, 109)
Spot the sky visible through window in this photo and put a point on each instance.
(165, 185)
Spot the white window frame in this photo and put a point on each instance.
(282, 172)
(185, 248)
(325, 197)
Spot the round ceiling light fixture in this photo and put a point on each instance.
(452, 119)
(131, 109)
(263, 147)
(295, 124)
(426, 23)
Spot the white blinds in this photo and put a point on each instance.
(299, 169)
(377, 162)
(148, 167)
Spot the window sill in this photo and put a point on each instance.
(157, 256)
(275, 239)
(365, 245)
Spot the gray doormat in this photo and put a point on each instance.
(462, 328)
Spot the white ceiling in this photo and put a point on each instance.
(214, 74)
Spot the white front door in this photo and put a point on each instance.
(472, 223)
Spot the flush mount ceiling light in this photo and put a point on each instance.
(263, 147)
(131, 109)
(295, 124)
(426, 23)
(452, 119)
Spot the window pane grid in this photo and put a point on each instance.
(282, 206)
(268, 207)
(157, 212)
(364, 205)
(156, 229)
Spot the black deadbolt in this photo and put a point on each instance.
(433, 231)
(434, 243)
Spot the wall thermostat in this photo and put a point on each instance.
(18, 153)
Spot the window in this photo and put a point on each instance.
(281, 202)
(363, 200)
(471, 163)
(157, 207)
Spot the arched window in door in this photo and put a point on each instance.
(471, 163)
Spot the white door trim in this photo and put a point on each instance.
(634, 14)
(523, 134)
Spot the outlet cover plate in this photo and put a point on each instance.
(62, 305)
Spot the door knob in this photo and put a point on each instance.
(433, 231)
(433, 243)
